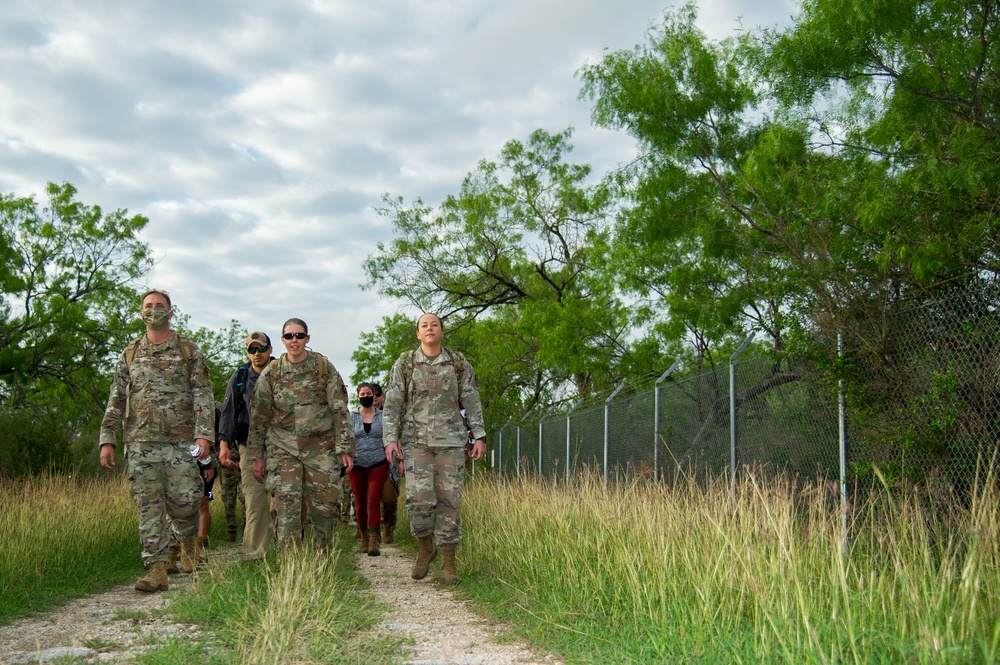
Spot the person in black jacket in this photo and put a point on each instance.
(234, 426)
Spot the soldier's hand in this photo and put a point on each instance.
(259, 469)
(108, 456)
(206, 449)
(393, 453)
(347, 461)
(224, 456)
(479, 449)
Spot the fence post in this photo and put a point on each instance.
(656, 420)
(607, 434)
(732, 409)
(540, 438)
(842, 436)
(500, 447)
(505, 427)
(568, 421)
(518, 461)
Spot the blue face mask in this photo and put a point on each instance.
(366, 401)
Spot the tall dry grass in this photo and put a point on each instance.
(305, 607)
(649, 573)
(61, 537)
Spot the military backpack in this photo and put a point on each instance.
(187, 351)
(322, 368)
(455, 358)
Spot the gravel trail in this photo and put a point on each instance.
(116, 626)
(445, 629)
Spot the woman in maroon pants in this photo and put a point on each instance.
(371, 468)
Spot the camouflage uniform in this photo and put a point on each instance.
(390, 499)
(301, 428)
(347, 499)
(164, 404)
(232, 491)
(425, 420)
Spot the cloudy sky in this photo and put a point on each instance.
(259, 136)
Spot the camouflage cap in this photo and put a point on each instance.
(255, 338)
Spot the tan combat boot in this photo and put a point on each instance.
(426, 554)
(155, 579)
(202, 549)
(174, 554)
(448, 575)
(389, 535)
(362, 540)
(189, 556)
(374, 540)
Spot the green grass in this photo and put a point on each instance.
(638, 573)
(62, 538)
(632, 573)
(65, 537)
(308, 608)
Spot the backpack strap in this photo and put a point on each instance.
(238, 401)
(458, 359)
(130, 352)
(455, 358)
(322, 369)
(187, 351)
(241, 375)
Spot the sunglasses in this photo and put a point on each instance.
(295, 335)
(257, 349)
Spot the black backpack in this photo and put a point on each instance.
(239, 404)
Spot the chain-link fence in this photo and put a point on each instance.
(920, 391)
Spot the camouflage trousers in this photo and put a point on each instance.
(166, 486)
(390, 499)
(434, 480)
(311, 478)
(232, 490)
(346, 499)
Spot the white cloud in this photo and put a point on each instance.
(258, 137)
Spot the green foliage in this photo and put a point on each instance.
(913, 86)
(30, 445)
(811, 182)
(64, 537)
(512, 263)
(310, 608)
(649, 573)
(734, 220)
(223, 349)
(67, 307)
(381, 347)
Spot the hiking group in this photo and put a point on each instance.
(285, 437)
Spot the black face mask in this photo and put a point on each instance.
(366, 401)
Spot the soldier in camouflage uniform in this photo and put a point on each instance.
(161, 395)
(423, 426)
(232, 492)
(300, 434)
(346, 499)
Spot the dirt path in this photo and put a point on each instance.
(445, 630)
(110, 627)
(115, 626)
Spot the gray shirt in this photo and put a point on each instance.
(368, 444)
